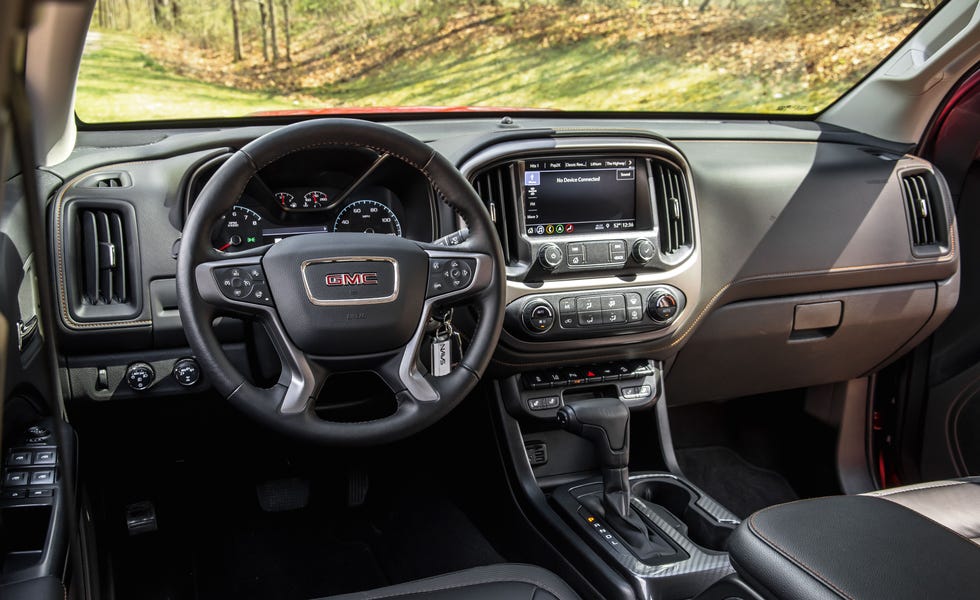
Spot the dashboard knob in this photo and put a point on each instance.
(644, 251)
(140, 376)
(538, 316)
(662, 306)
(187, 372)
(550, 256)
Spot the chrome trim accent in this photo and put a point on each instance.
(302, 382)
(350, 301)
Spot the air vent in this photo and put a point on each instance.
(497, 188)
(99, 265)
(115, 179)
(673, 207)
(102, 253)
(927, 217)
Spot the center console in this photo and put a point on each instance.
(600, 237)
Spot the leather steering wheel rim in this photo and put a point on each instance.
(421, 399)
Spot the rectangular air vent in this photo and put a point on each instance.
(497, 187)
(115, 179)
(673, 207)
(102, 255)
(98, 263)
(927, 218)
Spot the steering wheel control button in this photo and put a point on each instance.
(539, 316)
(187, 372)
(246, 284)
(449, 275)
(550, 256)
(140, 376)
(662, 306)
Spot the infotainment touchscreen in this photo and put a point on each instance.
(579, 195)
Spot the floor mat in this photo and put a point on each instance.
(740, 486)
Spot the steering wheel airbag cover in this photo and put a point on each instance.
(347, 293)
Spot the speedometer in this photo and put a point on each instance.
(368, 216)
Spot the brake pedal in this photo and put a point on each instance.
(281, 495)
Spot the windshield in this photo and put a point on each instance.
(190, 59)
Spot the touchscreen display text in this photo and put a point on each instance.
(579, 195)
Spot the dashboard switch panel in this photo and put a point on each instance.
(595, 313)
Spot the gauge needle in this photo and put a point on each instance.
(234, 241)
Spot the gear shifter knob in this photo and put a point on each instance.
(606, 423)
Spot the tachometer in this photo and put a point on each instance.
(368, 216)
(240, 228)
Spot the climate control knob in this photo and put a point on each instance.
(644, 251)
(550, 256)
(662, 306)
(538, 316)
(140, 376)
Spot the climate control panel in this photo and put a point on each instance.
(595, 313)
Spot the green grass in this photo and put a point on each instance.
(118, 82)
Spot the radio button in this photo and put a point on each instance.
(588, 319)
(577, 248)
(617, 251)
(589, 304)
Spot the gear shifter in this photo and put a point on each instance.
(606, 423)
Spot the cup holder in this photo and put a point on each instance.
(679, 501)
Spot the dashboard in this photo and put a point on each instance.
(767, 255)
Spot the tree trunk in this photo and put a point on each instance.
(285, 25)
(272, 30)
(236, 30)
(265, 31)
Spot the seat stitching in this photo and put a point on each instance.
(914, 488)
(789, 556)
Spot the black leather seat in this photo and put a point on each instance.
(954, 503)
(918, 541)
(495, 582)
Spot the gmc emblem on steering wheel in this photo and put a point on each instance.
(334, 279)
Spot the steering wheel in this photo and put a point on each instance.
(341, 302)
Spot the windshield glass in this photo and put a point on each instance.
(188, 59)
